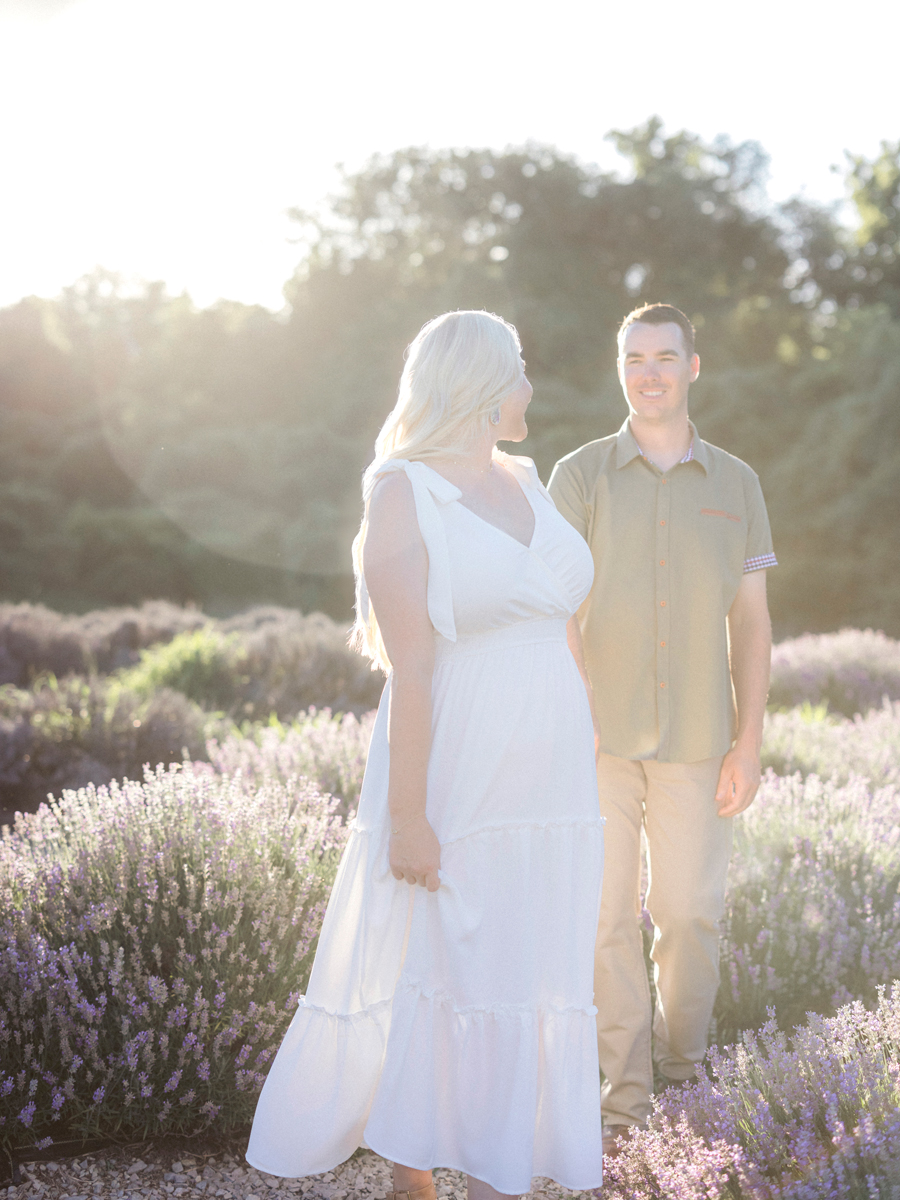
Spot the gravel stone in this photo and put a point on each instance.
(117, 1174)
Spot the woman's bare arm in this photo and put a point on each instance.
(573, 636)
(395, 564)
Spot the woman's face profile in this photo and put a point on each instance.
(512, 427)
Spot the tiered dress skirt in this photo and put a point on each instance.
(456, 1028)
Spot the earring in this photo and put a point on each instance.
(495, 417)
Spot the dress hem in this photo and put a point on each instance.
(438, 1166)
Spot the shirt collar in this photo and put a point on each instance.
(627, 448)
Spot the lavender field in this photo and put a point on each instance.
(154, 938)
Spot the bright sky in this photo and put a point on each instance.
(166, 138)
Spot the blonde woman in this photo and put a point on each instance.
(449, 1019)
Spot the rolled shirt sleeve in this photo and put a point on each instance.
(760, 551)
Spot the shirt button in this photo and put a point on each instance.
(662, 685)
(664, 480)
(662, 643)
(662, 522)
(662, 604)
(662, 562)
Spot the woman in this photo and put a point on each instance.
(449, 1017)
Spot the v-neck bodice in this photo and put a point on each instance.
(480, 577)
(506, 461)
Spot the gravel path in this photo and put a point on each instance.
(159, 1175)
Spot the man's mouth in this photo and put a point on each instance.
(653, 395)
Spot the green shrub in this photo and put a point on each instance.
(264, 663)
(201, 664)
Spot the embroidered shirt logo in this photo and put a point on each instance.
(718, 512)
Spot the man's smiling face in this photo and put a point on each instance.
(656, 372)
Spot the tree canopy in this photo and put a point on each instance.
(151, 449)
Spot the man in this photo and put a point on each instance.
(677, 642)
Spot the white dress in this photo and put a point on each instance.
(456, 1028)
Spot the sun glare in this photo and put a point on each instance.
(167, 139)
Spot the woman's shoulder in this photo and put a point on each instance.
(416, 476)
(391, 524)
(523, 469)
(391, 495)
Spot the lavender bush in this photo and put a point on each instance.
(267, 661)
(317, 745)
(289, 662)
(851, 671)
(813, 907)
(810, 740)
(811, 1117)
(65, 734)
(154, 939)
(35, 640)
(75, 725)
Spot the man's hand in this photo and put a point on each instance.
(750, 645)
(738, 781)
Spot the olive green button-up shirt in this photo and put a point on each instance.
(669, 550)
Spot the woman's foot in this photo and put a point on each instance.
(410, 1184)
(479, 1190)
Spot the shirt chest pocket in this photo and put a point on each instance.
(714, 542)
(720, 512)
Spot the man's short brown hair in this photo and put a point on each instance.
(660, 314)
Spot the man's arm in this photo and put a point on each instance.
(750, 649)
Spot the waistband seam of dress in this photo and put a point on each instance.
(521, 633)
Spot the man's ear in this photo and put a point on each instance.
(695, 367)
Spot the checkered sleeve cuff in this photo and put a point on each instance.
(760, 563)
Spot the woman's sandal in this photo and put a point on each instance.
(423, 1193)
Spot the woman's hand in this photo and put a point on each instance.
(415, 854)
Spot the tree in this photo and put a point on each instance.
(557, 247)
(149, 448)
(860, 265)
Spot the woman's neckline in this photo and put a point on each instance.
(498, 455)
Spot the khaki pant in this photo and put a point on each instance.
(689, 847)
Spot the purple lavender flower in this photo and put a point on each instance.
(148, 932)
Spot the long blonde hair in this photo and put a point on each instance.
(459, 368)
